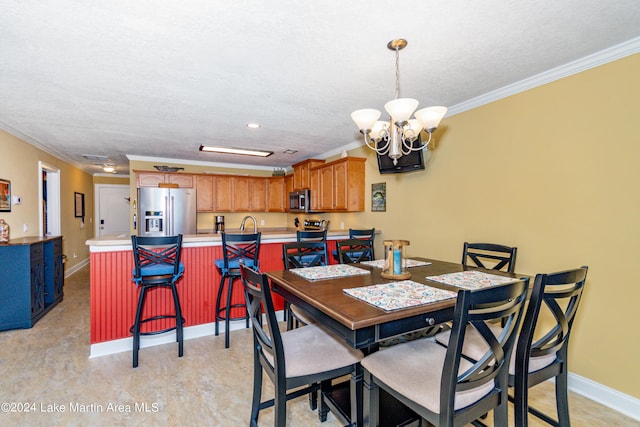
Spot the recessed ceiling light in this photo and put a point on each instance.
(290, 151)
(253, 125)
(241, 151)
(108, 169)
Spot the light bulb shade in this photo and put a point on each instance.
(430, 117)
(365, 118)
(401, 108)
(378, 130)
(412, 129)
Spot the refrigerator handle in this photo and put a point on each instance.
(167, 219)
(172, 214)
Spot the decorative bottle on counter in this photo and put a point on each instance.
(4, 231)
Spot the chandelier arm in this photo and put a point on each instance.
(409, 147)
(373, 145)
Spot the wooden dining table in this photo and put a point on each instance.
(361, 324)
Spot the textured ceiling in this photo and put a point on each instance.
(157, 78)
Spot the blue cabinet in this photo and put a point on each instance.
(31, 280)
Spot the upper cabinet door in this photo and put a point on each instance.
(223, 194)
(276, 195)
(205, 195)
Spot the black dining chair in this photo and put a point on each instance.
(299, 361)
(490, 256)
(543, 347)
(235, 248)
(157, 266)
(439, 383)
(302, 255)
(352, 251)
(361, 234)
(311, 235)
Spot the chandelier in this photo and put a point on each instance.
(396, 137)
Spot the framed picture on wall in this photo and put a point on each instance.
(379, 197)
(5, 195)
(78, 205)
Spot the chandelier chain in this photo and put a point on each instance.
(397, 72)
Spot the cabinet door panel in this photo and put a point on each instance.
(258, 194)
(341, 190)
(182, 179)
(326, 201)
(276, 195)
(204, 193)
(149, 179)
(224, 194)
(241, 200)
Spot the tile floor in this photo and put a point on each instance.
(46, 373)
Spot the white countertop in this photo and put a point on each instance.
(268, 235)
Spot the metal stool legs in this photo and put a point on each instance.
(227, 308)
(135, 329)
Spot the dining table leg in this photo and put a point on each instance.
(371, 401)
(356, 395)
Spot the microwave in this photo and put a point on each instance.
(300, 201)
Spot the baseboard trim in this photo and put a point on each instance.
(69, 271)
(606, 396)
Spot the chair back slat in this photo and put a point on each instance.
(156, 252)
(311, 235)
(479, 309)
(305, 254)
(238, 247)
(364, 234)
(490, 256)
(352, 251)
(267, 338)
(560, 294)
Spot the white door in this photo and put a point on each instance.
(112, 210)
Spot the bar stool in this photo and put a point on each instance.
(157, 265)
(235, 248)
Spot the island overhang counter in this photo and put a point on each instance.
(114, 295)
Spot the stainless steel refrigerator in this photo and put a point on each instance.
(166, 211)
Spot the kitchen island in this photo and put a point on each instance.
(114, 295)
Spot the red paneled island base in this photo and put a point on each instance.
(114, 296)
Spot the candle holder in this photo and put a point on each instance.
(394, 265)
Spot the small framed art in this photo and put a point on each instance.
(78, 205)
(379, 197)
(5, 195)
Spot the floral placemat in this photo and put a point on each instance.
(329, 271)
(397, 295)
(406, 263)
(471, 279)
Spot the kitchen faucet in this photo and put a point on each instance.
(255, 223)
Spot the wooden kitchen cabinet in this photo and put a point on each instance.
(223, 200)
(288, 185)
(31, 280)
(301, 173)
(205, 193)
(249, 194)
(338, 185)
(153, 179)
(277, 196)
(325, 193)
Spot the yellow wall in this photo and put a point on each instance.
(19, 164)
(554, 172)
